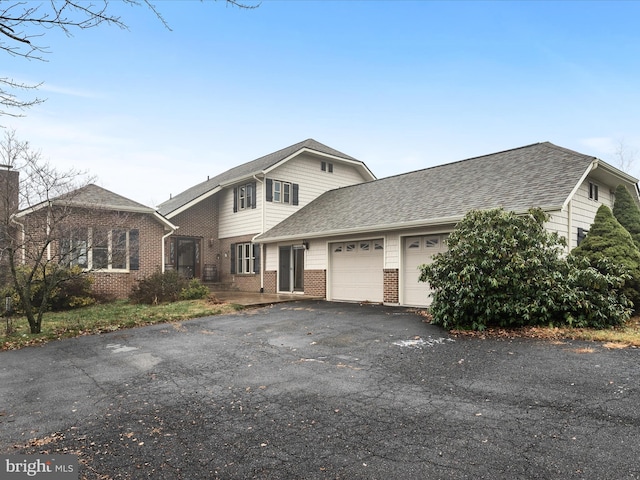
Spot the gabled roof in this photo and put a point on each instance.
(95, 197)
(539, 175)
(247, 170)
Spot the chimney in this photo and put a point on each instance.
(9, 185)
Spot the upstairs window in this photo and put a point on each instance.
(244, 197)
(326, 167)
(593, 191)
(278, 191)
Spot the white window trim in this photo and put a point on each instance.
(242, 258)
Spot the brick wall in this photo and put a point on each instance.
(201, 221)
(390, 279)
(315, 283)
(270, 281)
(244, 282)
(8, 205)
(106, 282)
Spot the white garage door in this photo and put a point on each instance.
(357, 271)
(419, 251)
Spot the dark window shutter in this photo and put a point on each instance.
(255, 194)
(233, 258)
(269, 190)
(235, 200)
(134, 249)
(296, 187)
(256, 258)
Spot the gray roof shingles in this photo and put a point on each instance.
(538, 175)
(244, 171)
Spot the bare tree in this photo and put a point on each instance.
(23, 25)
(625, 157)
(30, 249)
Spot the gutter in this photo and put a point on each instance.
(164, 237)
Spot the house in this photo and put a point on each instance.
(365, 242)
(120, 241)
(219, 218)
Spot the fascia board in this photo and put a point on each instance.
(193, 202)
(614, 171)
(584, 176)
(163, 220)
(335, 158)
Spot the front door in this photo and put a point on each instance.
(291, 269)
(187, 258)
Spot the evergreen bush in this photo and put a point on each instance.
(503, 269)
(608, 239)
(627, 213)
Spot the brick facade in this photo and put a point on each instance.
(9, 184)
(390, 280)
(315, 283)
(200, 222)
(246, 282)
(112, 283)
(270, 281)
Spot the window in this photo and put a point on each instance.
(278, 191)
(326, 167)
(593, 191)
(281, 192)
(101, 249)
(73, 248)
(244, 197)
(245, 258)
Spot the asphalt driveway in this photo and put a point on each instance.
(320, 390)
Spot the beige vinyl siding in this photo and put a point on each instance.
(305, 171)
(558, 223)
(584, 209)
(242, 222)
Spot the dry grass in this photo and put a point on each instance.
(107, 317)
(611, 338)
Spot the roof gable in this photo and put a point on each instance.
(95, 197)
(539, 175)
(247, 170)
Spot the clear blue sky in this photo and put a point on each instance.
(400, 85)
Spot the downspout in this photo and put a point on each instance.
(569, 224)
(164, 237)
(263, 260)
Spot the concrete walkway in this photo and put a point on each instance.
(257, 299)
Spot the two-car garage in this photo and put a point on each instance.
(356, 269)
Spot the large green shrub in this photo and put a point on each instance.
(169, 286)
(608, 239)
(503, 269)
(627, 213)
(72, 288)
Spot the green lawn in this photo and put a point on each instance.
(105, 318)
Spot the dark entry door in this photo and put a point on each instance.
(291, 269)
(284, 270)
(298, 270)
(186, 258)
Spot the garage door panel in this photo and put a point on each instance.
(419, 251)
(357, 271)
